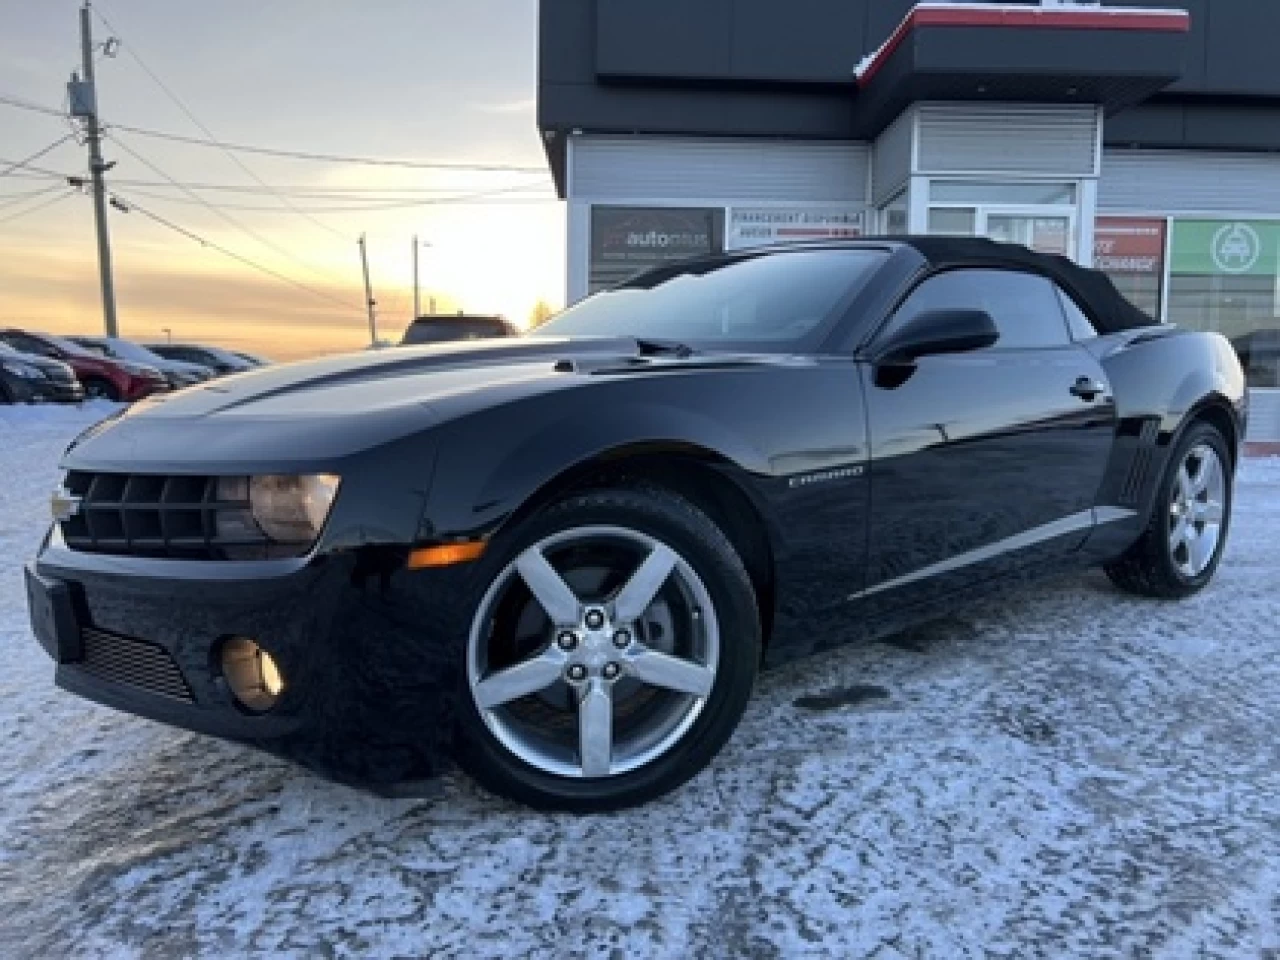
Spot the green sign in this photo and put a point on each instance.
(1226, 247)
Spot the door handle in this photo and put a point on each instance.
(1086, 388)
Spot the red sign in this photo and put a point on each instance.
(1129, 245)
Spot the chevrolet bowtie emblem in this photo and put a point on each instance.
(63, 505)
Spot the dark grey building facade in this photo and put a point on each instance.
(1138, 136)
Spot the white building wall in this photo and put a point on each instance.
(649, 171)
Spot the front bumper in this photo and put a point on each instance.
(139, 387)
(63, 391)
(369, 651)
(46, 391)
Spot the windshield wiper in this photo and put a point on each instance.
(649, 347)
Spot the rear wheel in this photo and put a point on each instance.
(99, 388)
(1179, 552)
(611, 654)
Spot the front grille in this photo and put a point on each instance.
(133, 663)
(175, 517)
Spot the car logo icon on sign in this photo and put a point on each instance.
(1236, 248)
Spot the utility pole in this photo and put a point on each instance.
(417, 312)
(368, 293)
(84, 103)
(417, 301)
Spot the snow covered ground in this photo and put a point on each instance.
(1068, 772)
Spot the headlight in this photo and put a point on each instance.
(22, 370)
(288, 509)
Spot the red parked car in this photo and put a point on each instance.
(102, 377)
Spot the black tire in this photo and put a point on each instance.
(100, 388)
(1148, 568)
(675, 522)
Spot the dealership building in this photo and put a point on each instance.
(1141, 138)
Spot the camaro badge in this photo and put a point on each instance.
(825, 476)
(63, 505)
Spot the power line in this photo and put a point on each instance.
(334, 157)
(19, 164)
(355, 205)
(341, 200)
(13, 199)
(22, 104)
(314, 192)
(295, 154)
(39, 206)
(137, 58)
(129, 206)
(297, 191)
(204, 203)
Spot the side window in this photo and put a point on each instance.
(1078, 322)
(1024, 306)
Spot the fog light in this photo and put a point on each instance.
(252, 674)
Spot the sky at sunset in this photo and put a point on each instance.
(421, 80)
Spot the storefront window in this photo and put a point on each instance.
(1035, 194)
(627, 240)
(1130, 250)
(1225, 277)
(953, 221)
(895, 217)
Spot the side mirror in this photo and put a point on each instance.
(935, 332)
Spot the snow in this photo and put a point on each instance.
(1068, 771)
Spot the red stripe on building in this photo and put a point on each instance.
(1161, 21)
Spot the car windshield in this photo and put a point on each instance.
(71, 347)
(438, 330)
(124, 350)
(776, 303)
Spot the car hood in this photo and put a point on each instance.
(309, 414)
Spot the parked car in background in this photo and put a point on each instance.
(1259, 354)
(102, 377)
(444, 327)
(215, 358)
(178, 373)
(27, 378)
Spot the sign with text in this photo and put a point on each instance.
(759, 226)
(649, 236)
(1129, 245)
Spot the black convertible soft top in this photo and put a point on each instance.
(1109, 309)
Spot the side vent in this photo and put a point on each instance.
(1134, 484)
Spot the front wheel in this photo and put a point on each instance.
(1179, 552)
(611, 654)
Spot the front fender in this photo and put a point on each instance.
(489, 467)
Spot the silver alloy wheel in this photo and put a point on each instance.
(1197, 510)
(634, 661)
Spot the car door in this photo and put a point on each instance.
(988, 462)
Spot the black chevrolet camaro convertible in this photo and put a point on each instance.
(560, 560)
